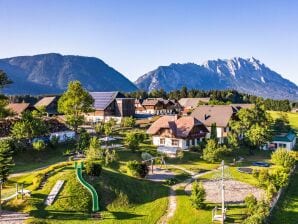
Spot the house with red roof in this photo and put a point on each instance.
(182, 133)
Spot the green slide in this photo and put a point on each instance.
(95, 203)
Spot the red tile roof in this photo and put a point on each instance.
(18, 108)
(179, 127)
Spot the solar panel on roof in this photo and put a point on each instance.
(102, 99)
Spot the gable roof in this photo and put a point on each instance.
(239, 106)
(209, 114)
(17, 108)
(152, 102)
(285, 137)
(192, 102)
(45, 101)
(103, 99)
(179, 127)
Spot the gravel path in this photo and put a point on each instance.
(172, 195)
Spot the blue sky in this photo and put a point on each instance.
(136, 36)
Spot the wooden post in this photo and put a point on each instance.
(222, 194)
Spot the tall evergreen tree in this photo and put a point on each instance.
(6, 161)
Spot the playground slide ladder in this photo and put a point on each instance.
(89, 187)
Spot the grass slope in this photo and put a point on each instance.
(293, 118)
(31, 159)
(287, 208)
(186, 213)
(123, 199)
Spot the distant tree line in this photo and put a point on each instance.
(217, 97)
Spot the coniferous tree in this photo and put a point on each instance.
(6, 161)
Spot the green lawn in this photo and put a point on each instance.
(192, 162)
(123, 199)
(293, 118)
(186, 213)
(286, 211)
(31, 159)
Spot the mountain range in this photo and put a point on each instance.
(245, 75)
(50, 74)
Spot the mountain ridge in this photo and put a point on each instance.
(50, 73)
(244, 75)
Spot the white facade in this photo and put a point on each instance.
(175, 142)
(96, 119)
(286, 145)
(221, 133)
(63, 135)
(155, 112)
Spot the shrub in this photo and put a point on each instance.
(133, 139)
(270, 191)
(283, 157)
(198, 195)
(279, 177)
(93, 168)
(128, 122)
(54, 141)
(137, 169)
(259, 212)
(39, 145)
(213, 152)
(250, 202)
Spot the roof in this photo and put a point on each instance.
(239, 106)
(103, 99)
(209, 114)
(180, 127)
(45, 101)
(18, 108)
(151, 102)
(285, 137)
(192, 102)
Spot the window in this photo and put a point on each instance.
(162, 141)
(193, 142)
(187, 142)
(198, 141)
(175, 142)
(225, 129)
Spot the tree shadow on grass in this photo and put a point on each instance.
(126, 190)
(125, 215)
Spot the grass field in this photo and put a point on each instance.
(192, 161)
(286, 211)
(31, 159)
(186, 213)
(293, 118)
(123, 199)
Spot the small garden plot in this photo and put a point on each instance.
(235, 191)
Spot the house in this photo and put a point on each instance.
(157, 106)
(19, 108)
(171, 131)
(109, 105)
(283, 140)
(218, 114)
(240, 106)
(189, 104)
(49, 104)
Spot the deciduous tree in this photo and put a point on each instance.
(74, 102)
